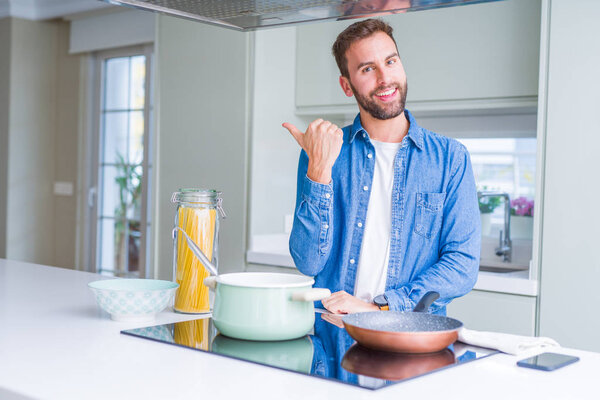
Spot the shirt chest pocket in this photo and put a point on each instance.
(428, 218)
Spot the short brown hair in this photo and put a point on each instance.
(357, 31)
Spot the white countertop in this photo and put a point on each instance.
(56, 344)
(272, 249)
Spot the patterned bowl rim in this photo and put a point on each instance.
(104, 285)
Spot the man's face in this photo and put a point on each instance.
(377, 77)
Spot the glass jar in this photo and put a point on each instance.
(197, 216)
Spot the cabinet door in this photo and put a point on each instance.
(317, 74)
(496, 312)
(479, 51)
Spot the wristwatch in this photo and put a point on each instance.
(381, 302)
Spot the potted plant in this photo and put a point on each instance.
(127, 232)
(521, 218)
(487, 205)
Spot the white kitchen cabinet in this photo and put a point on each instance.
(498, 312)
(570, 264)
(487, 52)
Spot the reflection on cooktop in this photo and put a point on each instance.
(328, 352)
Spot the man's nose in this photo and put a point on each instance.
(383, 76)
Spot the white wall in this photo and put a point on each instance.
(122, 27)
(571, 221)
(4, 112)
(66, 147)
(38, 141)
(30, 209)
(203, 89)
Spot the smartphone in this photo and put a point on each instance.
(547, 361)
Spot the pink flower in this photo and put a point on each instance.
(522, 207)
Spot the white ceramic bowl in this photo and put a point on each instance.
(133, 299)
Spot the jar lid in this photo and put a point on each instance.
(190, 195)
(199, 196)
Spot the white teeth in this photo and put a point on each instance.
(387, 92)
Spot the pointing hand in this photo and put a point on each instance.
(322, 142)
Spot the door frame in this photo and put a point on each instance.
(89, 159)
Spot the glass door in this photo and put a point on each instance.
(122, 165)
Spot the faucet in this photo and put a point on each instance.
(504, 248)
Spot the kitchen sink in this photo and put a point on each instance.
(520, 260)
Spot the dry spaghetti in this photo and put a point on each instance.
(192, 333)
(200, 225)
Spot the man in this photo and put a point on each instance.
(385, 210)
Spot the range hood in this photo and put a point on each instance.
(248, 15)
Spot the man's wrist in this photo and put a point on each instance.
(319, 174)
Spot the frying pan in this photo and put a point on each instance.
(404, 332)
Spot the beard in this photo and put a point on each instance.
(379, 111)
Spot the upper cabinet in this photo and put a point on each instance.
(483, 53)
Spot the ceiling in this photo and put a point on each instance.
(47, 9)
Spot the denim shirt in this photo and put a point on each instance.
(435, 235)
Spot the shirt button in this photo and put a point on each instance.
(365, 188)
(364, 134)
(327, 195)
(352, 261)
(369, 155)
(359, 224)
(325, 226)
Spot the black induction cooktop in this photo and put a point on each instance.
(326, 352)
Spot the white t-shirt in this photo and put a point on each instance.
(375, 248)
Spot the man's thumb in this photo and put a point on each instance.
(296, 133)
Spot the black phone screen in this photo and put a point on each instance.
(547, 361)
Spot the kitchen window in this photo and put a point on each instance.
(505, 165)
(121, 163)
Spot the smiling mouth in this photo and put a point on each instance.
(386, 94)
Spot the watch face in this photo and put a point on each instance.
(380, 300)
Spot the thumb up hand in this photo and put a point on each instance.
(322, 142)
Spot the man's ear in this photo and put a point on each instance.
(345, 84)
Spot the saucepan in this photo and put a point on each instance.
(404, 332)
(258, 305)
(264, 306)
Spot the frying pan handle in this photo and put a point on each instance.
(426, 301)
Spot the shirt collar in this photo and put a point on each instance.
(415, 132)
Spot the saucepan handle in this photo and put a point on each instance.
(210, 281)
(313, 294)
(426, 301)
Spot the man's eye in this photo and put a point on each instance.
(367, 69)
(392, 61)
